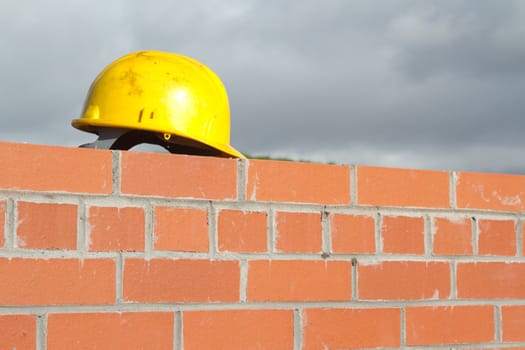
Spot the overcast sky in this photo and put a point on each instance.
(400, 83)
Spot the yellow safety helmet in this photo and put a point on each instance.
(160, 98)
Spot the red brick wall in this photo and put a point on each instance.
(128, 250)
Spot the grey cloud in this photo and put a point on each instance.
(461, 39)
(434, 84)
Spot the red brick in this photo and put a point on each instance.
(497, 237)
(175, 175)
(490, 191)
(403, 235)
(491, 280)
(18, 332)
(404, 280)
(51, 168)
(513, 321)
(238, 329)
(299, 280)
(351, 328)
(116, 229)
(497, 348)
(181, 229)
(163, 280)
(56, 281)
(299, 232)
(279, 181)
(240, 231)
(46, 226)
(452, 236)
(110, 330)
(2, 223)
(352, 234)
(433, 325)
(402, 187)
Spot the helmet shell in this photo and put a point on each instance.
(160, 92)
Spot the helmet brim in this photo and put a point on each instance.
(92, 126)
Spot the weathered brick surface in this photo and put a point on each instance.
(55, 169)
(404, 280)
(402, 187)
(491, 280)
(46, 226)
(169, 175)
(512, 323)
(110, 330)
(47, 281)
(298, 232)
(449, 325)
(403, 235)
(2, 222)
(181, 229)
(238, 329)
(497, 237)
(116, 229)
(240, 231)
(298, 280)
(490, 191)
(185, 280)
(452, 236)
(131, 250)
(298, 182)
(351, 328)
(18, 332)
(353, 233)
